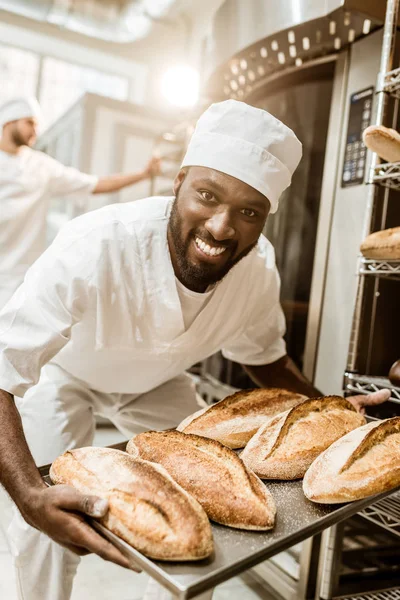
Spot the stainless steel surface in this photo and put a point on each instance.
(252, 40)
(329, 559)
(115, 20)
(331, 168)
(386, 65)
(345, 235)
(235, 550)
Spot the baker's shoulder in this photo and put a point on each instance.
(263, 255)
(37, 157)
(117, 219)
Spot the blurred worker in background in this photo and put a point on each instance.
(29, 179)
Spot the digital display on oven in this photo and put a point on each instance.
(355, 152)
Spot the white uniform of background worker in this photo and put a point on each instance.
(124, 300)
(28, 181)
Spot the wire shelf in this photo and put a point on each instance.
(387, 175)
(380, 268)
(385, 513)
(389, 594)
(365, 384)
(391, 83)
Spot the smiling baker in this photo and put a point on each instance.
(119, 306)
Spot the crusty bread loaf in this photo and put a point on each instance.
(213, 474)
(234, 420)
(285, 446)
(147, 508)
(384, 141)
(366, 461)
(382, 245)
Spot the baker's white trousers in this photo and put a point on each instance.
(58, 415)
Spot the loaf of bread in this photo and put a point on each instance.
(234, 420)
(384, 141)
(147, 508)
(364, 462)
(285, 446)
(394, 373)
(213, 474)
(382, 245)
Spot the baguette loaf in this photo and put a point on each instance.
(366, 461)
(147, 508)
(285, 446)
(213, 474)
(382, 245)
(234, 420)
(384, 141)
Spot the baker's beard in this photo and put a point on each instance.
(18, 140)
(198, 277)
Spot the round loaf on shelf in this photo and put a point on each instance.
(382, 245)
(384, 141)
(147, 508)
(234, 420)
(394, 373)
(213, 474)
(366, 461)
(286, 445)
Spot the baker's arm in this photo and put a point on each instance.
(113, 183)
(284, 373)
(52, 510)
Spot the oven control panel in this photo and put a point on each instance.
(355, 152)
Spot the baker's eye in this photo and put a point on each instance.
(208, 196)
(248, 212)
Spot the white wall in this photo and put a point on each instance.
(49, 40)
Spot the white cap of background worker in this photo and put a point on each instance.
(20, 108)
(29, 179)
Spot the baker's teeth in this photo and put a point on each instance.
(207, 249)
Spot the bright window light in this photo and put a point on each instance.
(180, 86)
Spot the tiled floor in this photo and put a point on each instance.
(100, 580)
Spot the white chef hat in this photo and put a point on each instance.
(19, 108)
(247, 143)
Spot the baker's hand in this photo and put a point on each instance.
(362, 400)
(56, 511)
(153, 167)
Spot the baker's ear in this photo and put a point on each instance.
(179, 180)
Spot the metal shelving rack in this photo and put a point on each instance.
(389, 594)
(385, 513)
(365, 384)
(380, 268)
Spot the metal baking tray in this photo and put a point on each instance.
(236, 550)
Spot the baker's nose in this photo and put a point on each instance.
(220, 226)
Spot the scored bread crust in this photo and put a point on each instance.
(382, 245)
(234, 420)
(213, 474)
(384, 141)
(147, 508)
(285, 446)
(364, 462)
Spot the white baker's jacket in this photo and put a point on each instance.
(102, 300)
(28, 181)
